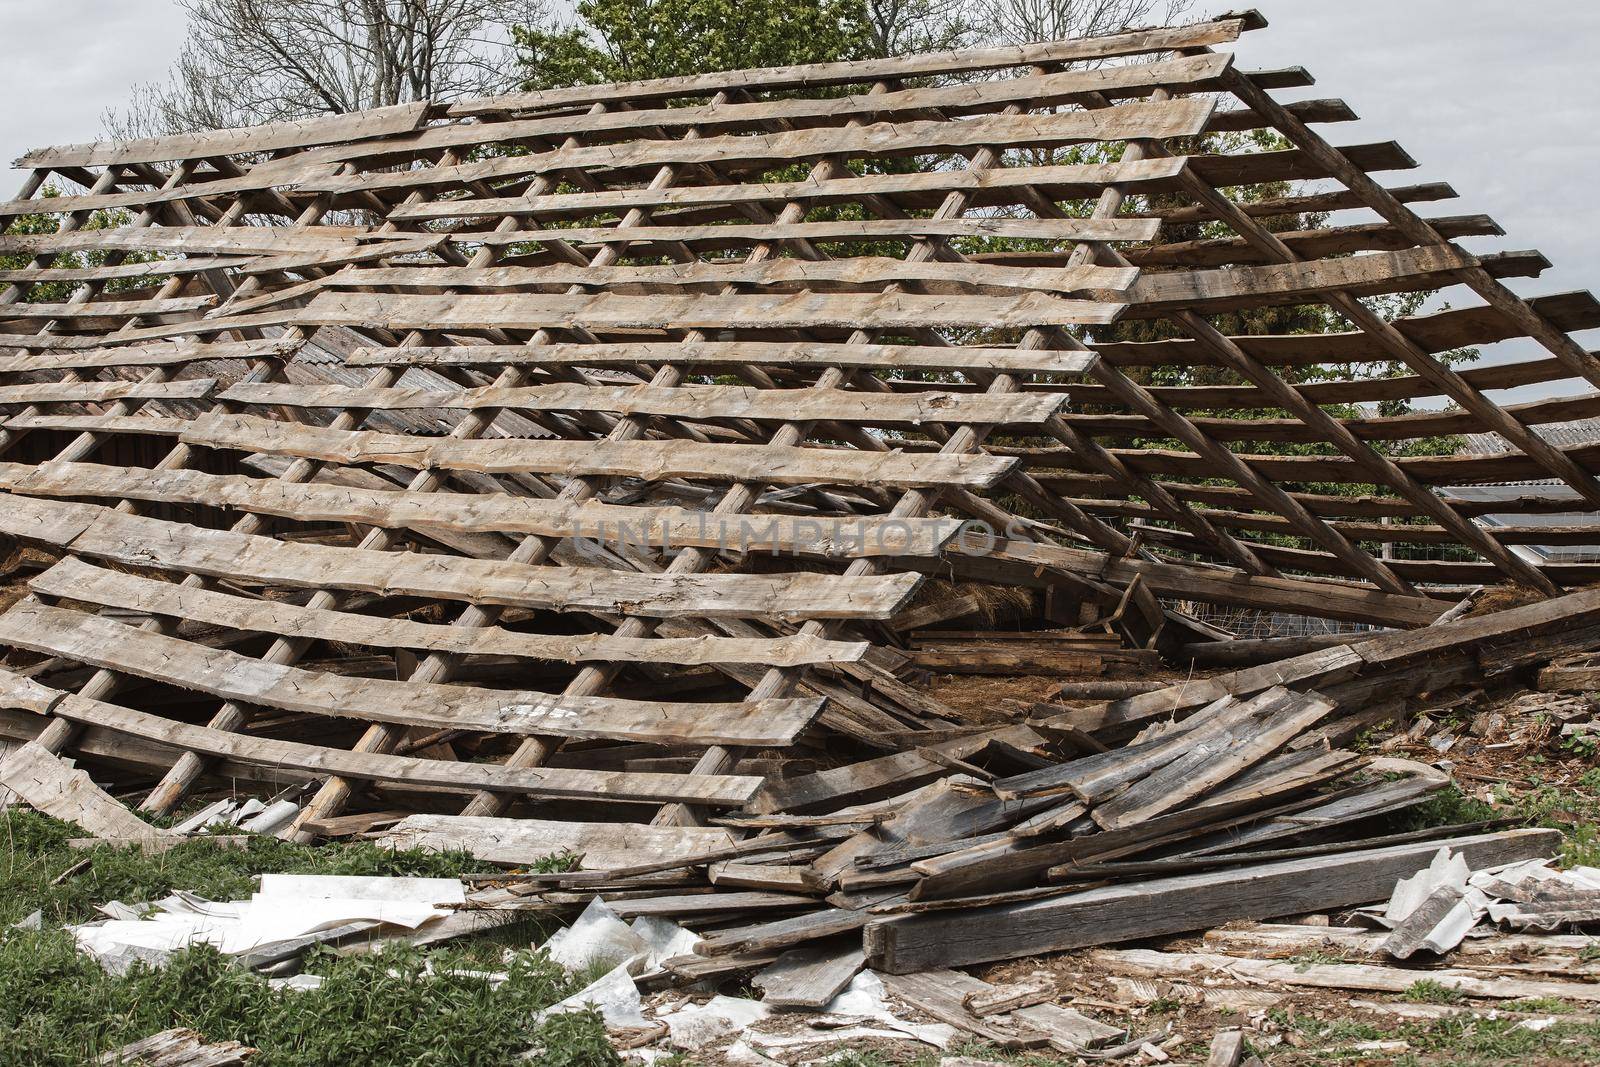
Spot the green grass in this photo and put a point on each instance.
(1427, 991)
(58, 1008)
(1462, 1041)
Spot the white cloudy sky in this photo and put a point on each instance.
(1506, 108)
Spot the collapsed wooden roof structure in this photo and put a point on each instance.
(562, 407)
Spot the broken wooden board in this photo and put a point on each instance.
(47, 783)
(902, 944)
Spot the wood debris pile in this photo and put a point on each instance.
(556, 474)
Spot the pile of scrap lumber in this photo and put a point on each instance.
(502, 475)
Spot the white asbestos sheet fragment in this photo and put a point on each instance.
(287, 907)
(598, 936)
(663, 939)
(1447, 870)
(613, 995)
(437, 892)
(864, 997)
(695, 1027)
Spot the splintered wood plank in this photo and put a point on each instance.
(732, 354)
(75, 580)
(942, 994)
(272, 136)
(756, 310)
(857, 270)
(810, 976)
(521, 842)
(540, 782)
(48, 784)
(1277, 717)
(222, 673)
(767, 464)
(103, 392)
(662, 527)
(102, 533)
(908, 943)
(178, 1047)
(694, 402)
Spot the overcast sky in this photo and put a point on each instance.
(1507, 109)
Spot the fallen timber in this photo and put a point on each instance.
(596, 498)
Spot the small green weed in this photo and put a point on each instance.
(1427, 991)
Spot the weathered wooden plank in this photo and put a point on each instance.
(546, 782)
(962, 97)
(106, 309)
(806, 354)
(907, 943)
(1206, 290)
(99, 532)
(274, 136)
(854, 271)
(656, 527)
(771, 79)
(158, 355)
(50, 785)
(1278, 717)
(521, 842)
(1173, 118)
(103, 392)
(207, 239)
(1002, 185)
(75, 580)
(152, 269)
(693, 402)
(810, 976)
(178, 1047)
(733, 235)
(615, 311)
(775, 465)
(222, 673)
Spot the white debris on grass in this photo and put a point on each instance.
(285, 908)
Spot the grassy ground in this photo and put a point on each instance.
(406, 1007)
(399, 1006)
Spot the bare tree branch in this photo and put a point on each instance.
(251, 61)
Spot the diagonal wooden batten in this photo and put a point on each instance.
(1386, 470)
(1264, 490)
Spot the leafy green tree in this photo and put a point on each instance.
(627, 40)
